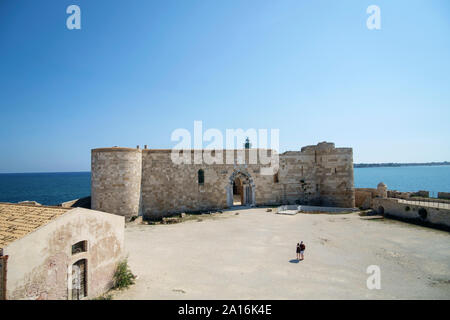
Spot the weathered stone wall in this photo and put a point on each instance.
(407, 195)
(321, 175)
(40, 264)
(444, 195)
(116, 180)
(333, 174)
(170, 188)
(298, 178)
(393, 207)
(421, 193)
(364, 196)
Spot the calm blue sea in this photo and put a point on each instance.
(45, 188)
(54, 188)
(413, 178)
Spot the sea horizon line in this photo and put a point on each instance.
(355, 165)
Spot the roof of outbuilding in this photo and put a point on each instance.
(18, 220)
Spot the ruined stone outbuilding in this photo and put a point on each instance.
(57, 253)
(146, 182)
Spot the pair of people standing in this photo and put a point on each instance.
(300, 250)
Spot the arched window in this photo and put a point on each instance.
(201, 176)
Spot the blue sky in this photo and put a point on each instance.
(137, 70)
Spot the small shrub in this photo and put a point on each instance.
(407, 208)
(123, 277)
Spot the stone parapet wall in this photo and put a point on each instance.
(409, 211)
(444, 195)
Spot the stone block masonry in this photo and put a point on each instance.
(116, 176)
(131, 182)
(426, 212)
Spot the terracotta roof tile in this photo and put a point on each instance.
(18, 220)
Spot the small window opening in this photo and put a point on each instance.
(79, 247)
(276, 178)
(201, 176)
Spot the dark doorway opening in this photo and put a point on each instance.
(423, 213)
(240, 190)
(237, 192)
(79, 279)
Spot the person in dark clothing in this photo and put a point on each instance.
(298, 251)
(302, 250)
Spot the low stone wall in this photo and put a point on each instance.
(78, 203)
(407, 195)
(398, 194)
(421, 193)
(444, 195)
(393, 207)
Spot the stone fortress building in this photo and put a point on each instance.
(133, 182)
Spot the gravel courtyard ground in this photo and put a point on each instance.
(252, 256)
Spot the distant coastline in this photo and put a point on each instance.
(391, 164)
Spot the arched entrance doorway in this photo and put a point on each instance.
(240, 189)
